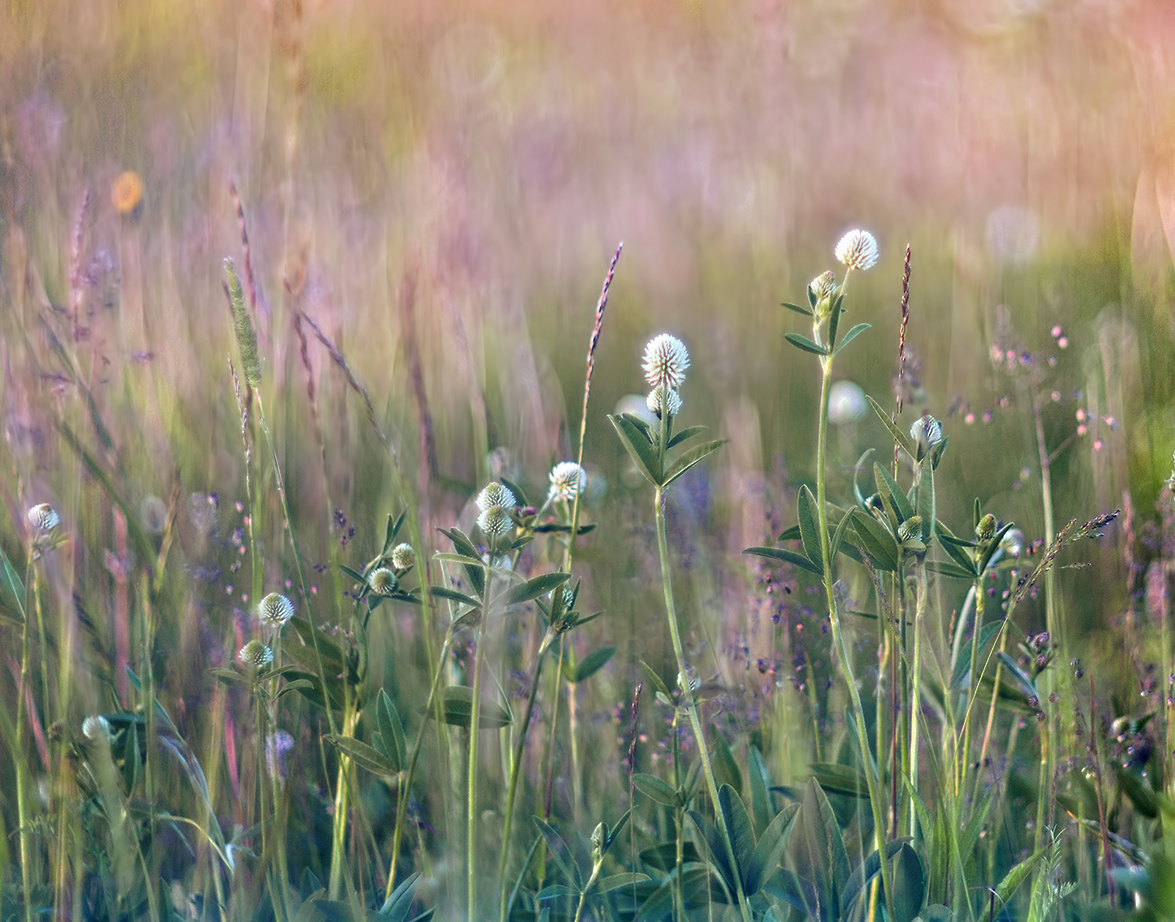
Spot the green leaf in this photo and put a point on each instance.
(399, 904)
(804, 344)
(444, 592)
(742, 834)
(962, 670)
(11, 588)
(657, 681)
(892, 497)
(461, 542)
(1015, 877)
(820, 857)
(957, 551)
(838, 536)
(688, 459)
(834, 322)
(792, 557)
(364, 756)
(1020, 675)
(391, 729)
(875, 541)
(909, 884)
(898, 436)
(616, 881)
(840, 779)
(684, 435)
(719, 857)
(591, 664)
(663, 855)
(765, 860)
(533, 588)
(312, 691)
(758, 782)
(637, 443)
(949, 568)
(1141, 795)
(457, 709)
(985, 558)
(726, 770)
(560, 851)
(810, 527)
(694, 882)
(926, 501)
(796, 308)
(865, 872)
(516, 489)
(851, 335)
(333, 659)
(655, 789)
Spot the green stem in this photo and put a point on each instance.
(838, 638)
(688, 695)
(22, 770)
(471, 768)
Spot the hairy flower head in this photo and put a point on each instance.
(857, 249)
(403, 557)
(567, 480)
(822, 286)
(666, 360)
(495, 495)
(43, 517)
(382, 581)
(660, 400)
(495, 521)
(926, 431)
(275, 610)
(255, 654)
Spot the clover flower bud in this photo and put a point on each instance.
(43, 517)
(567, 480)
(403, 557)
(275, 610)
(857, 249)
(495, 495)
(910, 529)
(822, 286)
(661, 400)
(926, 431)
(985, 530)
(666, 360)
(255, 654)
(691, 675)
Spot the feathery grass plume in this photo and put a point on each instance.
(243, 326)
(857, 249)
(567, 479)
(666, 361)
(382, 581)
(403, 557)
(275, 610)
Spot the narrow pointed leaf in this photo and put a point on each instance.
(444, 592)
(364, 756)
(742, 835)
(796, 308)
(838, 536)
(1020, 675)
(461, 543)
(559, 850)
(726, 770)
(657, 681)
(769, 850)
(758, 782)
(957, 551)
(926, 501)
(949, 568)
(391, 728)
(810, 527)
(457, 708)
(591, 664)
(688, 459)
(891, 494)
(533, 588)
(399, 904)
(852, 334)
(874, 540)
(655, 789)
(637, 444)
(793, 557)
(865, 872)
(11, 588)
(1015, 877)
(898, 436)
(685, 435)
(804, 344)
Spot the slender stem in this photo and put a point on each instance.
(688, 695)
(22, 770)
(838, 638)
(471, 768)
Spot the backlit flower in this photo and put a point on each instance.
(857, 249)
(495, 495)
(666, 360)
(275, 610)
(660, 400)
(43, 517)
(567, 480)
(255, 654)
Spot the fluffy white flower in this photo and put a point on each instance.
(660, 399)
(275, 610)
(495, 521)
(823, 286)
(403, 557)
(666, 360)
(857, 249)
(495, 495)
(43, 517)
(567, 480)
(382, 581)
(255, 654)
(96, 728)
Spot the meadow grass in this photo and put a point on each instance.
(330, 585)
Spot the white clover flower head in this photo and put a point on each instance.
(691, 675)
(666, 360)
(568, 479)
(495, 521)
(661, 400)
(95, 728)
(382, 581)
(255, 654)
(926, 431)
(823, 286)
(403, 557)
(910, 529)
(495, 495)
(857, 249)
(275, 610)
(43, 517)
